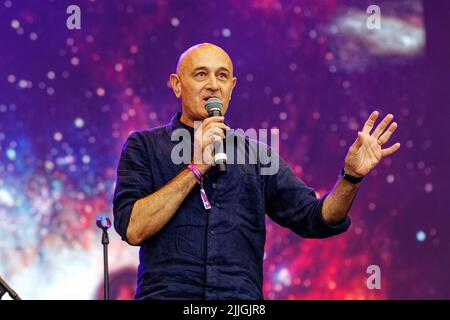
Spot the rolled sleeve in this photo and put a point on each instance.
(133, 181)
(324, 229)
(292, 204)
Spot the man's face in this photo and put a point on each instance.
(204, 72)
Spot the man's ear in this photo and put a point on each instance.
(176, 84)
(234, 82)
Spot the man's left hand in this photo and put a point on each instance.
(366, 152)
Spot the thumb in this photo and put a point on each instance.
(359, 141)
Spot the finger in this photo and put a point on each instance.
(217, 139)
(209, 142)
(215, 130)
(207, 124)
(390, 150)
(383, 124)
(214, 133)
(208, 154)
(359, 141)
(212, 120)
(220, 125)
(370, 122)
(387, 134)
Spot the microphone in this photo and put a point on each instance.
(214, 108)
(103, 223)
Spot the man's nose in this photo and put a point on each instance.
(212, 83)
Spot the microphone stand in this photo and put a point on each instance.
(5, 288)
(104, 223)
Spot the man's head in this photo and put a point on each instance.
(203, 71)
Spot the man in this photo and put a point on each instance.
(191, 251)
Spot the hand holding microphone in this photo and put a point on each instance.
(214, 108)
(211, 137)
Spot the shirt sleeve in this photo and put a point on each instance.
(133, 181)
(292, 204)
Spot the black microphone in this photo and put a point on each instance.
(214, 108)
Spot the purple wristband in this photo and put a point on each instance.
(196, 172)
(199, 177)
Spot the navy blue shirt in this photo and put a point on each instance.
(216, 253)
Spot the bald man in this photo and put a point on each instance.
(201, 233)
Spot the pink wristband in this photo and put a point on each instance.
(199, 177)
(196, 172)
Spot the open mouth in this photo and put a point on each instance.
(209, 97)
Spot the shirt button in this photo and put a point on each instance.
(211, 231)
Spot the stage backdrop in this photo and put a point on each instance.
(313, 69)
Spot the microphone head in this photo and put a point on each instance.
(213, 105)
(103, 222)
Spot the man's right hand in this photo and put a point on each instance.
(211, 131)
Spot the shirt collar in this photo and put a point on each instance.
(175, 123)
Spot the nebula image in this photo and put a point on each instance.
(69, 98)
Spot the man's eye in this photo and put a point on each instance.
(200, 74)
(223, 75)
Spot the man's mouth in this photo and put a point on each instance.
(209, 97)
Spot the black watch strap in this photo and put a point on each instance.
(349, 178)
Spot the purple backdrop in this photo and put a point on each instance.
(313, 69)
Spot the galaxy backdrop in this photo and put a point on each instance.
(313, 69)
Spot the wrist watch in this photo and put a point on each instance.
(350, 178)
